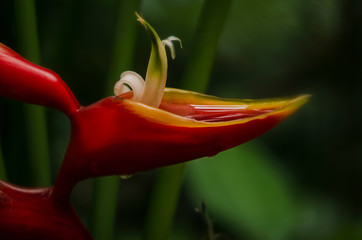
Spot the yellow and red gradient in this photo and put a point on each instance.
(217, 111)
(119, 136)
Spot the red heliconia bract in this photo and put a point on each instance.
(27, 82)
(118, 136)
(34, 214)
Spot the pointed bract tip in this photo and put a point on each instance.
(139, 18)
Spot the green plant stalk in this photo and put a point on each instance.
(105, 194)
(35, 115)
(209, 28)
(2, 166)
(124, 43)
(163, 202)
(168, 184)
(104, 207)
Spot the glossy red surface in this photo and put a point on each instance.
(24, 81)
(212, 113)
(109, 139)
(34, 214)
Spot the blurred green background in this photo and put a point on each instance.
(301, 180)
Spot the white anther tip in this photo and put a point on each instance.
(168, 42)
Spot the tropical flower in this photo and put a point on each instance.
(144, 126)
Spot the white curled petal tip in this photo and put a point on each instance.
(130, 81)
(168, 42)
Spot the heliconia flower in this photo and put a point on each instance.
(144, 126)
(153, 126)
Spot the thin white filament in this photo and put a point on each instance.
(168, 42)
(130, 81)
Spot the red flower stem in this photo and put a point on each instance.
(105, 194)
(35, 115)
(166, 192)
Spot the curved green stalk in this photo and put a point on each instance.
(157, 69)
(163, 203)
(35, 115)
(165, 195)
(105, 194)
